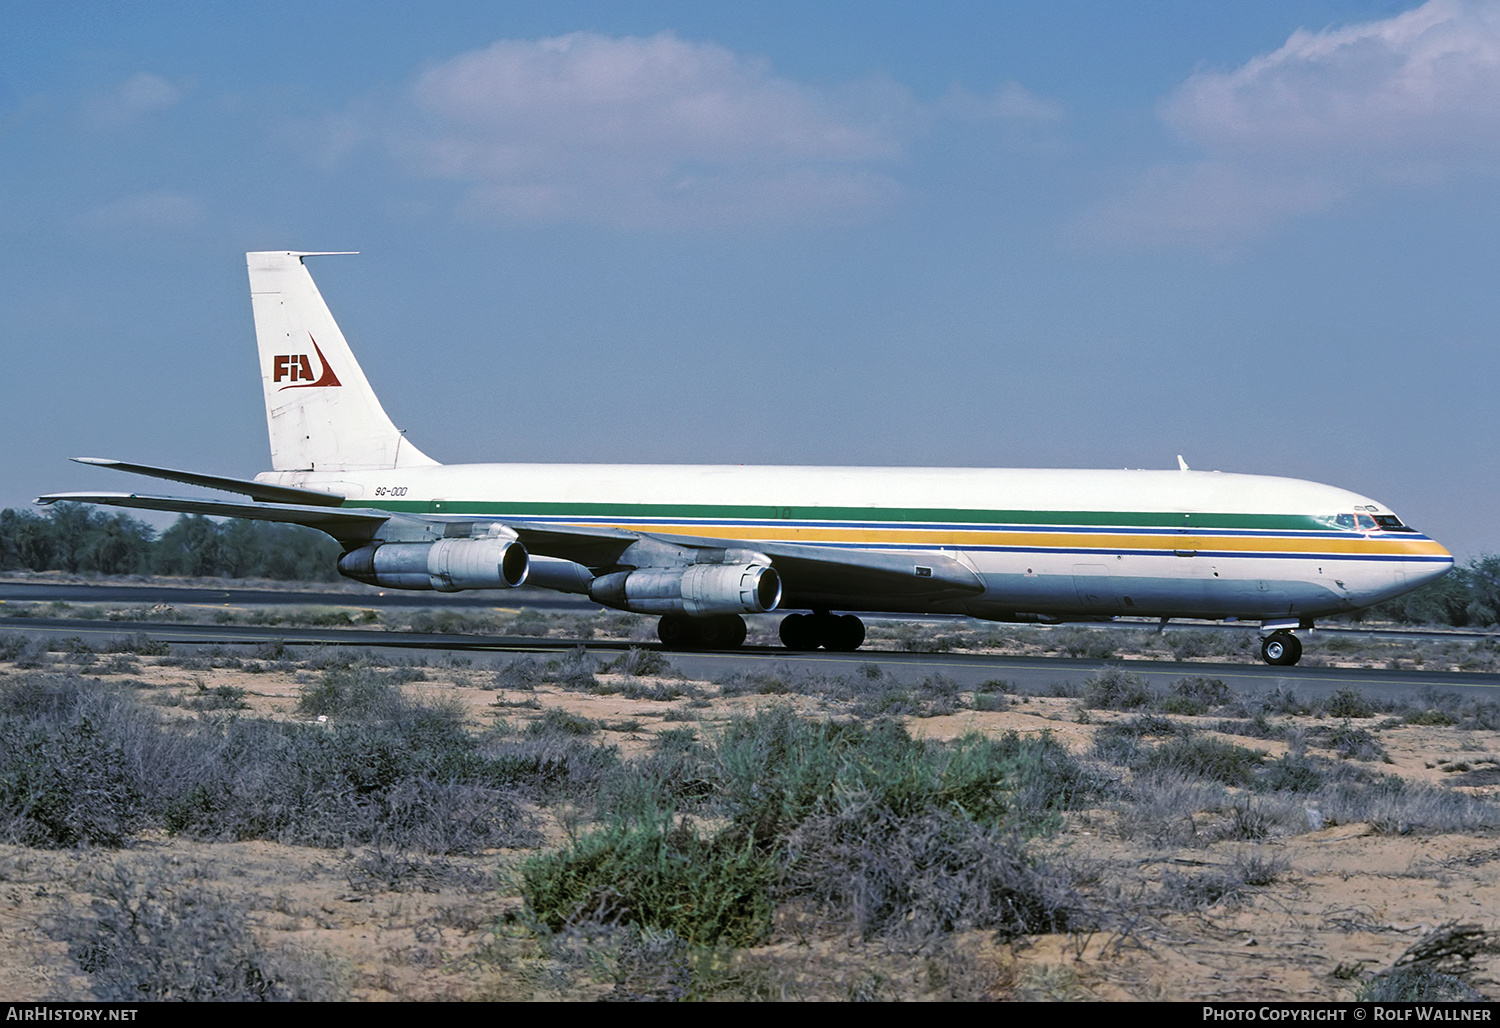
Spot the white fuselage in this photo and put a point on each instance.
(1050, 542)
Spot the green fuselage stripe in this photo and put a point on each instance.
(893, 515)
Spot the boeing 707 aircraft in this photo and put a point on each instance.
(701, 546)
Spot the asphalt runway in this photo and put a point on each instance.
(515, 599)
(189, 596)
(1025, 674)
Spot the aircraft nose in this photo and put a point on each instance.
(1430, 570)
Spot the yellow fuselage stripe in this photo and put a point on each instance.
(1354, 545)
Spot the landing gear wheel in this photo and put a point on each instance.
(738, 632)
(1282, 649)
(677, 632)
(726, 632)
(845, 635)
(833, 633)
(797, 632)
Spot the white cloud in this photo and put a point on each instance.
(129, 101)
(1410, 99)
(659, 131)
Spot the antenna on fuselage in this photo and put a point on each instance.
(1181, 464)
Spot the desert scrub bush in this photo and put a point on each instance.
(1256, 817)
(1205, 757)
(523, 673)
(1396, 807)
(1161, 806)
(417, 783)
(1349, 703)
(777, 768)
(1115, 689)
(1431, 717)
(1292, 772)
(1186, 645)
(385, 870)
(1225, 884)
(80, 763)
(574, 671)
(915, 877)
(556, 721)
(358, 692)
(220, 697)
(1194, 696)
(991, 701)
(13, 644)
(1418, 984)
(924, 637)
(140, 644)
(549, 767)
(1088, 643)
(118, 664)
(1355, 743)
(679, 771)
(151, 938)
(660, 692)
(639, 662)
(889, 702)
(1120, 742)
(656, 873)
(1257, 727)
(441, 621)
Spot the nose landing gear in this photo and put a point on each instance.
(1281, 648)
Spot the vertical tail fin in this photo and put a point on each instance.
(320, 409)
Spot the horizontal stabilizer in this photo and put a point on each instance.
(342, 523)
(252, 489)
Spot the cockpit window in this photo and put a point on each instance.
(1367, 523)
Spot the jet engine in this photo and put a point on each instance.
(698, 590)
(447, 565)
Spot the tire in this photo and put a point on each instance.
(725, 632)
(797, 632)
(738, 632)
(677, 632)
(1281, 649)
(845, 634)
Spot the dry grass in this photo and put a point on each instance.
(1182, 844)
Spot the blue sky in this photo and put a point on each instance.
(1026, 234)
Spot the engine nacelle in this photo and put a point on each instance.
(697, 590)
(447, 565)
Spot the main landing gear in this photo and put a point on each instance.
(833, 632)
(1281, 648)
(680, 632)
(836, 633)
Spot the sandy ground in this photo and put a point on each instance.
(1349, 902)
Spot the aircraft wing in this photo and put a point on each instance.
(811, 575)
(255, 490)
(340, 522)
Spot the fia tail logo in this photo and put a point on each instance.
(296, 368)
